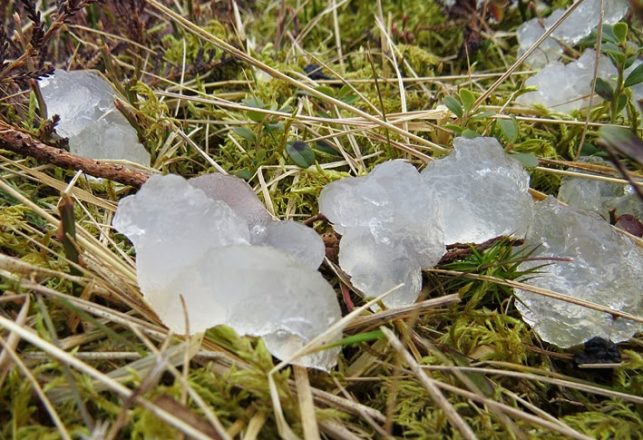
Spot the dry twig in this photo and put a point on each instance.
(25, 144)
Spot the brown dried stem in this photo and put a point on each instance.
(25, 144)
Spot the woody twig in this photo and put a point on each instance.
(25, 144)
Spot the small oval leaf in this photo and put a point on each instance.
(467, 98)
(245, 133)
(244, 174)
(256, 116)
(635, 77)
(326, 90)
(604, 89)
(509, 129)
(528, 160)
(325, 148)
(621, 102)
(608, 35)
(453, 105)
(273, 127)
(253, 102)
(620, 31)
(469, 134)
(300, 153)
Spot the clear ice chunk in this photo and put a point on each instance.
(606, 268)
(577, 26)
(376, 268)
(169, 214)
(599, 196)
(259, 291)
(585, 19)
(548, 51)
(236, 193)
(482, 192)
(630, 203)
(88, 118)
(189, 244)
(293, 238)
(390, 226)
(288, 236)
(565, 88)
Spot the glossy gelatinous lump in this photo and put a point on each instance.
(566, 87)
(599, 196)
(191, 244)
(391, 229)
(88, 118)
(481, 191)
(395, 221)
(289, 236)
(585, 19)
(577, 26)
(604, 267)
(548, 51)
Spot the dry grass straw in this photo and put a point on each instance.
(108, 279)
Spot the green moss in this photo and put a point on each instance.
(489, 335)
(614, 421)
(483, 327)
(189, 47)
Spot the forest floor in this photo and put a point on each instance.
(228, 86)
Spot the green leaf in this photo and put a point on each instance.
(346, 95)
(456, 129)
(326, 148)
(620, 31)
(256, 103)
(630, 61)
(350, 99)
(469, 134)
(260, 156)
(608, 34)
(245, 133)
(357, 339)
(610, 47)
(528, 160)
(326, 90)
(453, 105)
(621, 102)
(604, 89)
(256, 116)
(253, 102)
(483, 115)
(589, 149)
(344, 90)
(467, 98)
(244, 174)
(509, 129)
(617, 57)
(273, 127)
(300, 153)
(635, 77)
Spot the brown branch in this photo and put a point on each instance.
(458, 251)
(317, 217)
(25, 144)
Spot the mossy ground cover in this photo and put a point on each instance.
(223, 85)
